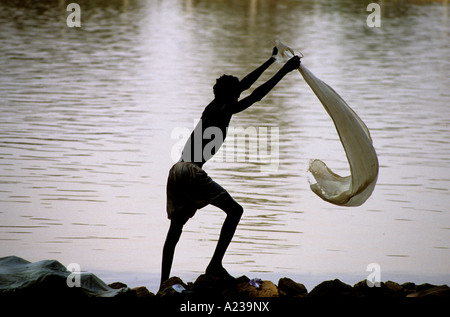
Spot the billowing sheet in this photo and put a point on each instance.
(355, 189)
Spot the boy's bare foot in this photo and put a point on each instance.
(220, 273)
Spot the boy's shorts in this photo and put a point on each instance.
(189, 188)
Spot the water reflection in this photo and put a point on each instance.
(87, 116)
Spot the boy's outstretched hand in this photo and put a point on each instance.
(274, 52)
(292, 64)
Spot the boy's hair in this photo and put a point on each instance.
(225, 85)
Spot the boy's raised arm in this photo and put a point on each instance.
(248, 80)
(264, 89)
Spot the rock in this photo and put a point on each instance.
(172, 281)
(334, 288)
(287, 287)
(424, 287)
(267, 289)
(172, 287)
(139, 292)
(142, 292)
(207, 285)
(213, 286)
(409, 288)
(361, 289)
(385, 289)
(393, 289)
(117, 285)
(433, 291)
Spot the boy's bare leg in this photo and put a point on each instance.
(234, 212)
(173, 236)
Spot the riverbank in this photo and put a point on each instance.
(207, 286)
(50, 279)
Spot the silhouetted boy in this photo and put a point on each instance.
(189, 187)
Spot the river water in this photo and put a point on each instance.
(92, 118)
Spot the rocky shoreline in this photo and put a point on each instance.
(244, 288)
(50, 279)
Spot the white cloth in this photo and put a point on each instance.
(355, 189)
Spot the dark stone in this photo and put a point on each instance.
(207, 285)
(142, 292)
(361, 289)
(393, 289)
(334, 288)
(266, 289)
(409, 288)
(424, 287)
(385, 289)
(441, 291)
(288, 287)
(174, 286)
(213, 286)
(117, 285)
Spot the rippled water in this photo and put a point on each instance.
(87, 121)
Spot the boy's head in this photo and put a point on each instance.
(227, 88)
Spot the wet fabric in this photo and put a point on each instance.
(355, 189)
(48, 277)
